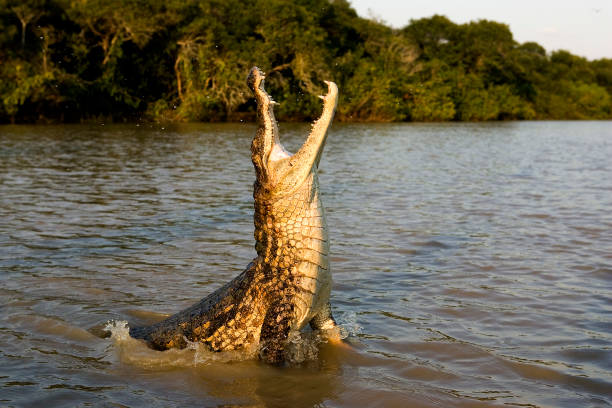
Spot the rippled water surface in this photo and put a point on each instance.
(472, 264)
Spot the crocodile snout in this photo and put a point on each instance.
(255, 78)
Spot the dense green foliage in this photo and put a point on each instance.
(72, 60)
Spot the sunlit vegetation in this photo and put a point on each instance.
(186, 60)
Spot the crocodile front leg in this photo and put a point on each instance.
(275, 331)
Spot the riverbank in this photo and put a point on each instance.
(119, 60)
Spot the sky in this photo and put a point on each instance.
(583, 27)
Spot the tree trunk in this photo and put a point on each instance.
(178, 78)
(45, 48)
(108, 48)
(23, 31)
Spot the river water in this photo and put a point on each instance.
(472, 265)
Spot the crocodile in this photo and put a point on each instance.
(288, 284)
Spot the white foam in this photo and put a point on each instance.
(119, 330)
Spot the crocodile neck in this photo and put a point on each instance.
(292, 242)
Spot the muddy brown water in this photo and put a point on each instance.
(472, 265)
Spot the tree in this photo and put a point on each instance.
(27, 11)
(375, 75)
(186, 60)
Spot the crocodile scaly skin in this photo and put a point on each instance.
(288, 284)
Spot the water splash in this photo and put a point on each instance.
(301, 347)
(304, 346)
(136, 352)
(119, 330)
(349, 327)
